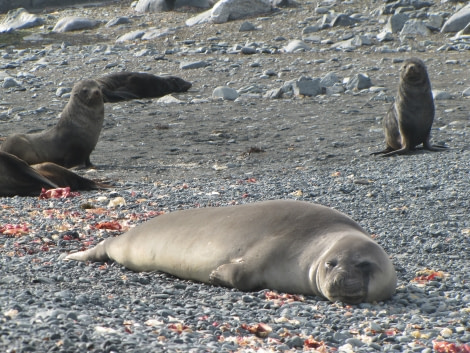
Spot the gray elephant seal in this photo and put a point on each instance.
(121, 86)
(17, 178)
(408, 121)
(71, 141)
(290, 246)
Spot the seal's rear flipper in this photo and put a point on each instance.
(96, 254)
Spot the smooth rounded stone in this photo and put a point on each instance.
(72, 23)
(193, 65)
(415, 27)
(248, 50)
(307, 86)
(130, 36)
(396, 22)
(247, 27)
(321, 10)
(153, 33)
(441, 95)
(359, 82)
(310, 29)
(122, 20)
(225, 10)
(457, 21)
(384, 36)
(295, 342)
(62, 90)
(225, 92)
(466, 92)
(19, 19)
(343, 20)
(10, 82)
(296, 45)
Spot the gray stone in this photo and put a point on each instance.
(310, 29)
(343, 20)
(71, 23)
(415, 27)
(466, 92)
(434, 21)
(457, 21)
(153, 33)
(19, 19)
(130, 36)
(358, 82)
(441, 95)
(193, 65)
(118, 21)
(295, 45)
(396, 22)
(384, 36)
(62, 90)
(329, 79)
(10, 82)
(247, 27)
(227, 10)
(224, 92)
(307, 86)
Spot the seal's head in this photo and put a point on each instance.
(88, 92)
(413, 72)
(354, 272)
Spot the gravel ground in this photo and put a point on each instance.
(203, 152)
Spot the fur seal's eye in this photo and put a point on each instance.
(364, 266)
(330, 264)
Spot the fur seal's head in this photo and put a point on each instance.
(88, 92)
(413, 72)
(355, 272)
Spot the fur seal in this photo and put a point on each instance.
(409, 119)
(287, 245)
(124, 85)
(71, 141)
(17, 178)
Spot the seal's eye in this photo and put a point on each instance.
(85, 91)
(330, 264)
(365, 266)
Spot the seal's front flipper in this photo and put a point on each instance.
(234, 275)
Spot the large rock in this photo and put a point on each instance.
(414, 27)
(168, 5)
(227, 10)
(457, 21)
(19, 19)
(72, 23)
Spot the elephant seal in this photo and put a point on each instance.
(17, 178)
(124, 85)
(409, 119)
(71, 141)
(290, 246)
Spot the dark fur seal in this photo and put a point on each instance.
(122, 86)
(72, 140)
(17, 178)
(290, 246)
(408, 121)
